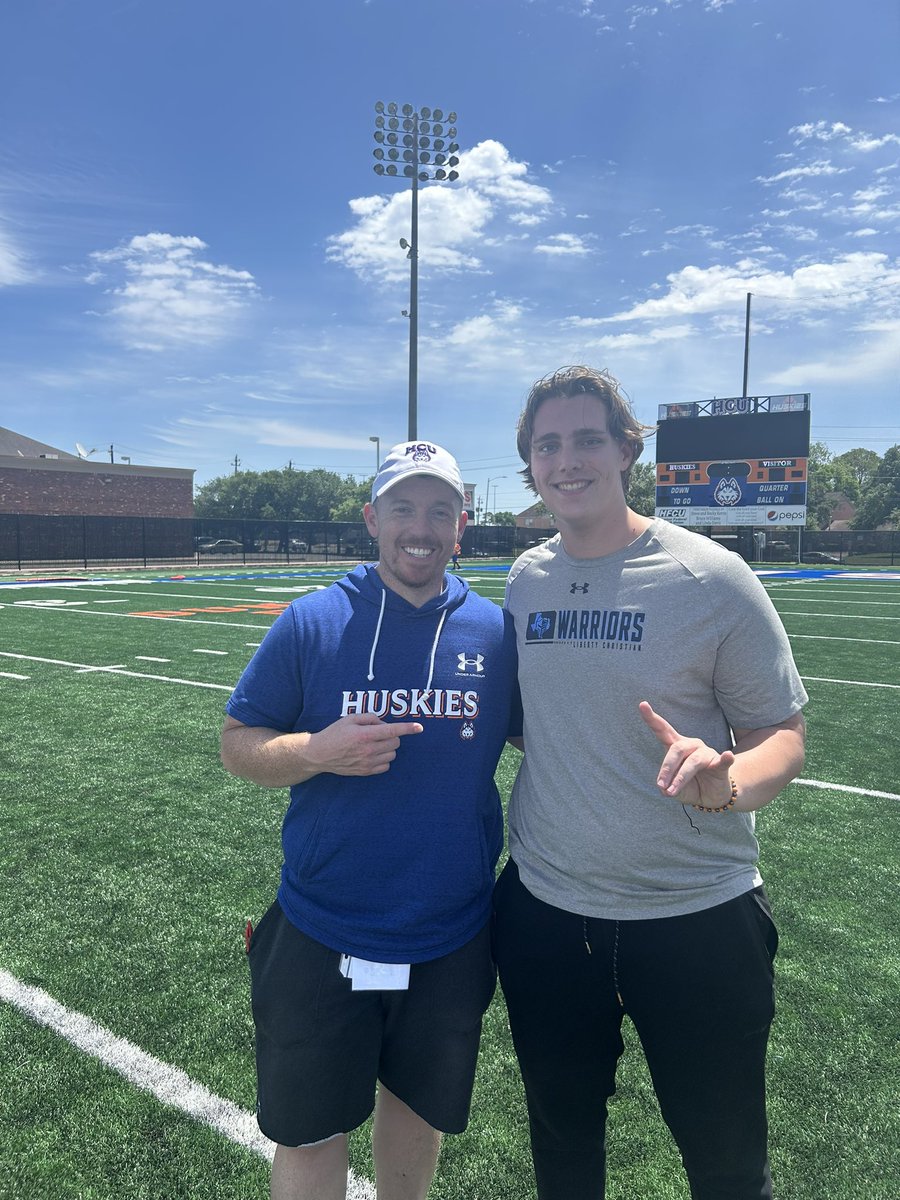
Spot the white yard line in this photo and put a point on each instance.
(844, 787)
(847, 682)
(81, 667)
(824, 637)
(826, 616)
(170, 1085)
(843, 600)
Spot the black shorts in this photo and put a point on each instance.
(321, 1047)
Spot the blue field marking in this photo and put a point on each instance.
(813, 573)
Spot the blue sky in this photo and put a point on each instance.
(197, 260)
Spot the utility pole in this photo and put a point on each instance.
(237, 463)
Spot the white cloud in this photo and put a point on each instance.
(811, 170)
(873, 356)
(13, 269)
(563, 244)
(453, 221)
(486, 327)
(268, 432)
(819, 131)
(168, 294)
(634, 341)
(865, 142)
(837, 285)
(822, 131)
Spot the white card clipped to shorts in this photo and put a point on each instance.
(368, 976)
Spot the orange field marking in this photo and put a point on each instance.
(274, 607)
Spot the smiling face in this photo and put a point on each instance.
(577, 468)
(417, 523)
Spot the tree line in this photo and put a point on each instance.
(869, 481)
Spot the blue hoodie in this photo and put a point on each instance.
(396, 867)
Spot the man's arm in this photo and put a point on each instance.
(357, 745)
(762, 764)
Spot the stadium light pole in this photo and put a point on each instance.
(377, 442)
(414, 144)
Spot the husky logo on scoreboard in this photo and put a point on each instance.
(727, 492)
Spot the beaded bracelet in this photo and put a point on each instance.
(722, 807)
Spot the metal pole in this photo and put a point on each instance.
(414, 291)
(746, 344)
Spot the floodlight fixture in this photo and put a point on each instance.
(428, 150)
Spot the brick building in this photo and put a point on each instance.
(41, 480)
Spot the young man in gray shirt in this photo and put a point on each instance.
(662, 709)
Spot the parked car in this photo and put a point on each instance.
(819, 556)
(222, 546)
(299, 547)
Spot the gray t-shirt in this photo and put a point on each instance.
(673, 619)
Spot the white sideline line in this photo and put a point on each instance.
(842, 600)
(846, 682)
(785, 612)
(844, 787)
(824, 637)
(12, 675)
(170, 1085)
(60, 662)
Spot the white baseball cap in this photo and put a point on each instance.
(417, 458)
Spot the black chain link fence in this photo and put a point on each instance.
(88, 541)
(91, 541)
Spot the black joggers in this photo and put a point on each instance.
(699, 990)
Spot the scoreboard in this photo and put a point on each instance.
(738, 461)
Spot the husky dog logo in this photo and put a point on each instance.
(421, 452)
(467, 732)
(727, 492)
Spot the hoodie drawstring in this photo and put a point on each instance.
(371, 674)
(434, 644)
(434, 647)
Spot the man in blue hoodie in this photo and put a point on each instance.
(371, 972)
